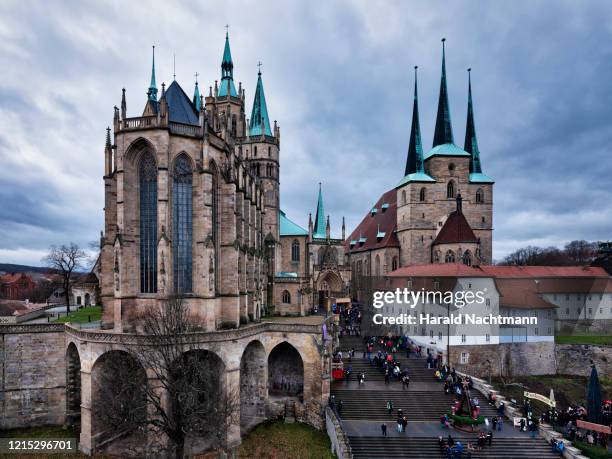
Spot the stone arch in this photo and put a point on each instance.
(253, 384)
(137, 148)
(118, 395)
(285, 371)
(73, 385)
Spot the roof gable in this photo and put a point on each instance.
(180, 107)
(455, 229)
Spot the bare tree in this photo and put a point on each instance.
(66, 259)
(186, 397)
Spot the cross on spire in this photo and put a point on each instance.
(226, 30)
(196, 77)
(259, 64)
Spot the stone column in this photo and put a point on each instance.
(86, 443)
(232, 384)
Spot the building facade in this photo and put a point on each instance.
(441, 211)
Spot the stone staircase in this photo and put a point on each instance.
(364, 409)
(427, 448)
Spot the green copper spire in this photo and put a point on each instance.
(196, 95)
(319, 223)
(414, 163)
(226, 87)
(444, 130)
(471, 144)
(152, 93)
(260, 123)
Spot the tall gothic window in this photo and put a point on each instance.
(295, 251)
(422, 195)
(147, 172)
(286, 297)
(182, 224)
(394, 264)
(467, 258)
(450, 190)
(450, 257)
(479, 196)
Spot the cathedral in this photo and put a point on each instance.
(441, 211)
(192, 207)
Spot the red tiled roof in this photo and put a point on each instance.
(12, 277)
(544, 271)
(439, 270)
(520, 293)
(455, 229)
(384, 220)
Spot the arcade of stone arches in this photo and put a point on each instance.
(261, 374)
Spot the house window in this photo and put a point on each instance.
(394, 264)
(295, 251)
(440, 336)
(479, 196)
(467, 259)
(286, 297)
(450, 190)
(182, 224)
(450, 257)
(487, 337)
(465, 357)
(436, 284)
(590, 311)
(403, 196)
(463, 338)
(431, 333)
(422, 195)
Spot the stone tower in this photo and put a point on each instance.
(427, 195)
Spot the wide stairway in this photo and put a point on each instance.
(364, 409)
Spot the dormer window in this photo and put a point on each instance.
(374, 211)
(385, 206)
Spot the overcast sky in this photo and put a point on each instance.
(338, 78)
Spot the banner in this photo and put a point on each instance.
(594, 427)
(541, 398)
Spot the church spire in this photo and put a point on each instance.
(226, 87)
(260, 123)
(444, 130)
(152, 93)
(319, 223)
(196, 95)
(414, 162)
(471, 143)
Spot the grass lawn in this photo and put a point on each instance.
(276, 439)
(594, 452)
(583, 339)
(82, 315)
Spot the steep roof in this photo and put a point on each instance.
(381, 223)
(443, 132)
(471, 142)
(260, 122)
(456, 229)
(319, 229)
(289, 228)
(227, 72)
(520, 293)
(180, 107)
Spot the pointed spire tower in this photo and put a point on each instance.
(196, 95)
(226, 87)
(319, 223)
(415, 169)
(443, 132)
(152, 92)
(471, 142)
(414, 162)
(260, 122)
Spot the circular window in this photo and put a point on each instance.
(451, 167)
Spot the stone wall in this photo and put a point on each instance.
(32, 375)
(507, 359)
(574, 359)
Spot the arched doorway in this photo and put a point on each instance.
(87, 299)
(253, 385)
(73, 386)
(119, 398)
(329, 285)
(285, 372)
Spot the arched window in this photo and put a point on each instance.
(258, 169)
(422, 195)
(450, 190)
(286, 297)
(479, 196)
(182, 224)
(467, 258)
(147, 172)
(255, 151)
(403, 196)
(394, 264)
(234, 124)
(450, 257)
(295, 251)
(377, 266)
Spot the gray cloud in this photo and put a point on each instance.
(338, 78)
